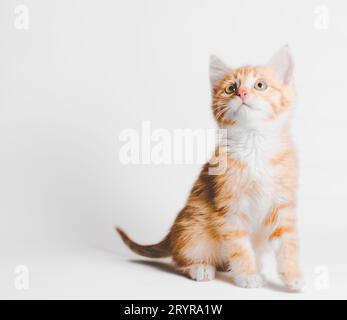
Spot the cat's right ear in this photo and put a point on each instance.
(218, 70)
(282, 63)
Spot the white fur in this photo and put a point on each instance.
(295, 285)
(250, 281)
(256, 148)
(202, 272)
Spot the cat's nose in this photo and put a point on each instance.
(242, 93)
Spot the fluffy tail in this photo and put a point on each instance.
(159, 250)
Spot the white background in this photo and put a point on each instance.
(86, 70)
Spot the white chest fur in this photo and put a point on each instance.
(255, 149)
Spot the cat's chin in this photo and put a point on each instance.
(248, 117)
(245, 113)
(247, 106)
(250, 106)
(244, 109)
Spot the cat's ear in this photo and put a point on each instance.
(283, 65)
(218, 70)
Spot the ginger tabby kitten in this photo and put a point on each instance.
(235, 213)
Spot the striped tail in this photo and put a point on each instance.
(159, 250)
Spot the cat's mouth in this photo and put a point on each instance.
(243, 104)
(249, 106)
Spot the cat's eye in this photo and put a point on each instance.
(231, 89)
(260, 85)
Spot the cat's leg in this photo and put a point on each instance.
(201, 272)
(284, 241)
(242, 259)
(259, 259)
(196, 258)
(243, 264)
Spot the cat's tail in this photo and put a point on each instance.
(159, 250)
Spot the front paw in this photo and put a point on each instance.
(248, 281)
(202, 272)
(293, 283)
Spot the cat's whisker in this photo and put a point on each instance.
(221, 113)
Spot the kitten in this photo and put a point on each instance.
(232, 216)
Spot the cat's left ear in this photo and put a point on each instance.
(218, 71)
(282, 63)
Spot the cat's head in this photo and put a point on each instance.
(253, 96)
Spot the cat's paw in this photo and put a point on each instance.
(202, 272)
(294, 285)
(292, 280)
(248, 281)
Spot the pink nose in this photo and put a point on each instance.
(242, 93)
